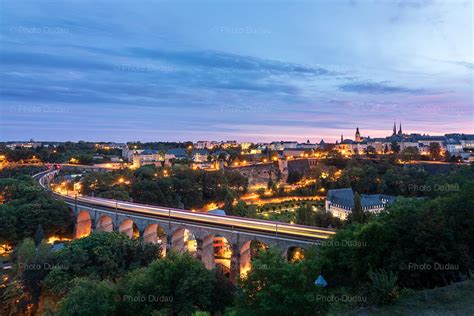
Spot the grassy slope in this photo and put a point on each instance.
(455, 299)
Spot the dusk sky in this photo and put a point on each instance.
(225, 70)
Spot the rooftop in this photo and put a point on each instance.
(345, 198)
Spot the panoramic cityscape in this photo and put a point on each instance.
(238, 158)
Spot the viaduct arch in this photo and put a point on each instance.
(229, 252)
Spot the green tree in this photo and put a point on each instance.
(223, 293)
(25, 253)
(27, 206)
(8, 220)
(101, 255)
(448, 157)
(31, 265)
(177, 284)
(304, 215)
(89, 297)
(85, 159)
(148, 191)
(241, 209)
(395, 147)
(229, 203)
(323, 218)
(435, 151)
(410, 154)
(357, 215)
(275, 287)
(371, 151)
(403, 240)
(39, 235)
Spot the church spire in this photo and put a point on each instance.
(394, 128)
(400, 130)
(357, 135)
(342, 138)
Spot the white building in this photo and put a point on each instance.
(199, 155)
(340, 202)
(204, 144)
(146, 157)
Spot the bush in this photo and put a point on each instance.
(382, 287)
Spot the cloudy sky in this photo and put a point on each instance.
(244, 70)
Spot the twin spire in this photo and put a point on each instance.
(395, 129)
(358, 138)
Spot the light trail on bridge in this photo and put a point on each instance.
(235, 223)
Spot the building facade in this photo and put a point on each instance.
(340, 202)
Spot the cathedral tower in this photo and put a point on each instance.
(357, 135)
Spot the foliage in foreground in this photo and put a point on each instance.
(275, 287)
(428, 243)
(26, 207)
(176, 285)
(99, 256)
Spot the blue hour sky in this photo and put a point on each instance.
(240, 70)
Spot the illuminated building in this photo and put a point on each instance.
(199, 155)
(340, 202)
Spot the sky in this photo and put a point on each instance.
(234, 70)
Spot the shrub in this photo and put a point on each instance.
(383, 286)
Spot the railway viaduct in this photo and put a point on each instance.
(229, 248)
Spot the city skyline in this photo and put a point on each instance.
(121, 72)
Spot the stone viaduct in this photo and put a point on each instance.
(228, 248)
